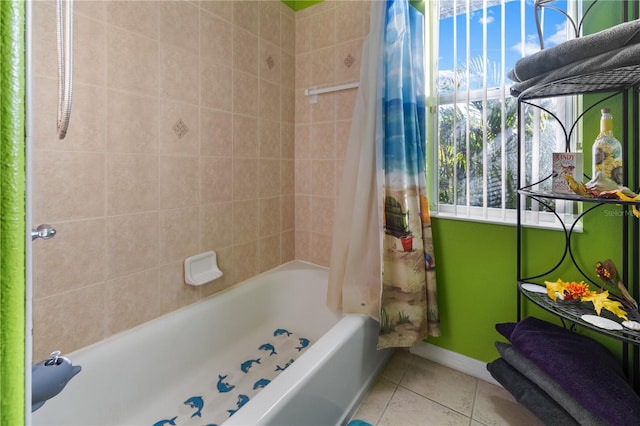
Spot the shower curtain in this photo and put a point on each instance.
(12, 213)
(382, 261)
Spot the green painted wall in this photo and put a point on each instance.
(12, 212)
(300, 4)
(476, 272)
(476, 262)
(476, 284)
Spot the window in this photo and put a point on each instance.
(475, 153)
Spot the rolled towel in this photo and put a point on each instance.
(576, 50)
(628, 56)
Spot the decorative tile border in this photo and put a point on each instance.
(349, 60)
(271, 63)
(180, 128)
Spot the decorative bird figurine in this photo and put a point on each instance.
(577, 187)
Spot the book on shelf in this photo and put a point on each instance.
(566, 163)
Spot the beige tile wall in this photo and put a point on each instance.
(129, 197)
(328, 46)
(255, 177)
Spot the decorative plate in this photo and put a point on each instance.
(534, 288)
(633, 325)
(605, 323)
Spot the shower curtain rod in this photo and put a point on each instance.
(313, 92)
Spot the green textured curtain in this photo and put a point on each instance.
(12, 212)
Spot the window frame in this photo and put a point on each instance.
(566, 210)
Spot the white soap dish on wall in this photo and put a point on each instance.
(201, 268)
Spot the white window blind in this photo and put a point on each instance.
(475, 156)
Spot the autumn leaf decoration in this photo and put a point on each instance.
(600, 300)
(580, 291)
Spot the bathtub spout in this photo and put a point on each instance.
(49, 377)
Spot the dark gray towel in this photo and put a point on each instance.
(530, 395)
(548, 385)
(578, 365)
(576, 50)
(611, 60)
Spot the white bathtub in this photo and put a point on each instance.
(148, 374)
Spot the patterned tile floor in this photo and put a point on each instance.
(414, 391)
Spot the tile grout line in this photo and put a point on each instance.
(473, 404)
(386, 405)
(470, 416)
(436, 402)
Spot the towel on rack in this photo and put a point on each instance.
(576, 50)
(621, 58)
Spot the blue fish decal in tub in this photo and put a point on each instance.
(197, 403)
(166, 422)
(268, 347)
(245, 366)
(261, 383)
(242, 399)
(303, 343)
(281, 331)
(278, 368)
(222, 386)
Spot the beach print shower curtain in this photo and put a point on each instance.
(382, 260)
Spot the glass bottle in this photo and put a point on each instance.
(607, 151)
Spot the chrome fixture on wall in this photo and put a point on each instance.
(64, 39)
(43, 231)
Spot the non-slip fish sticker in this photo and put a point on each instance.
(236, 381)
(242, 399)
(166, 422)
(245, 366)
(269, 348)
(222, 386)
(278, 368)
(261, 383)
(197, 403)
(303, 343)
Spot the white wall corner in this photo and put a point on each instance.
(454, 360)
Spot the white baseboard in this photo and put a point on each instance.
(454, 360)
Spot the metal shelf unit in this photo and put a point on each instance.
(622, 83)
